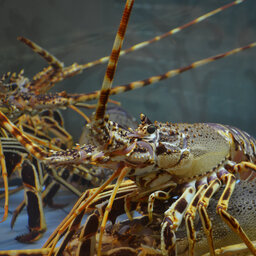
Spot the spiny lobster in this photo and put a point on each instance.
(20, 95)
(195, 158)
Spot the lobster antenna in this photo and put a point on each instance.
(158, 38)
(76, 68)
(112, 64)
(24, 140)
(52, 60)
(100, 110)
(151, 80)
(43, 80)
(174, 72)
(75, 99)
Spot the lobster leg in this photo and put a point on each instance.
(172, 220)
(26, 252)
(10, 160)
(246, 170)
(88, 235)
(90, 228)
(70, 232)
(17, 211)
(48, 193)
(80, 206)
(122, 175)
(190, 217)
(23, 139)
(202, 206)
(52, 126)
(4, 174)
(222, 206)
(161, 195)
(33, 197)
(235, 249)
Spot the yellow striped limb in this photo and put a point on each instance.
(5, 178)
(234, 250)
(34, 149)
(154, 79)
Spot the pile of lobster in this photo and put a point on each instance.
(188, 182)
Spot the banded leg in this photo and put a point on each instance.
(5, 179)
(32, 187)
(246, 170)
(191, 214)
(26, 252)
(51, 188)
(42, 81)
(87, 236)
(52, 126)
(83, 203)
(235, 249)
(222, 206)
(70, 232)
(161, 195)
(46, 125)
(31, 147)
(11, 157)
(172, 220)
(122, 175)
(90, 228)
(202, 206)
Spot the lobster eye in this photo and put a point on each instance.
(151, 129)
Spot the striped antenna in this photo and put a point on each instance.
(157, 38)
(5, 179)
(52, 60)
(111, 68)
(151, 80)
(77, 68)
(30, 146)
(42, 81)
(60, 99)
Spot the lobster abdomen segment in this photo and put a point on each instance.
(244, 145)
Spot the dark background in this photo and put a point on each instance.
(82, 31)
